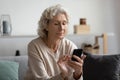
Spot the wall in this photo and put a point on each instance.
(26, 13)
(9, 45)
(116, 13)
(102, 15)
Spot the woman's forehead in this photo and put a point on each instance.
(59, 17)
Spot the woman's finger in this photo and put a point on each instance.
(83, 57)
(78, 59)
(74, 64)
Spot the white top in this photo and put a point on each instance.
(42, 62)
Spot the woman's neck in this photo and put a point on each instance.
(52, 43)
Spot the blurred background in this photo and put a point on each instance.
(103, 16)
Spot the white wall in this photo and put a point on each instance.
(26, 13)
(102, 15)
(116, 11)
(9, 45)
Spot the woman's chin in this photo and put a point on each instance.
(61, 37)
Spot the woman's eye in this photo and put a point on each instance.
(60, 23)
(56, 23)
(64, 23)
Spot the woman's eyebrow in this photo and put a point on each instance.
(60, 21)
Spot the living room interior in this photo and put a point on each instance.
(102, 16)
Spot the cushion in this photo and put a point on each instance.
(101, 67)
(8, 70)
(22, 60)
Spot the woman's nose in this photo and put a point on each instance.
(61, 26)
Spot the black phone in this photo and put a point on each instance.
(77, 52)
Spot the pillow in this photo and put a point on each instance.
(8, 70)
(101, 67)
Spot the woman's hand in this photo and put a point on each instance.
(62, 62)
(77, 65)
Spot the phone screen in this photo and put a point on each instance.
(77, 52)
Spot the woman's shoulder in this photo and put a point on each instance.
(35, 41)
(68, 41)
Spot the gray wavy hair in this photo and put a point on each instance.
(47, 15)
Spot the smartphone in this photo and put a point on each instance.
(77, 52)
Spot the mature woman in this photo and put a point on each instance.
(49, 55)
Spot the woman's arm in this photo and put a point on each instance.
(39, 71)
(37, 66)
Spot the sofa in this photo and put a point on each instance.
(21, 60)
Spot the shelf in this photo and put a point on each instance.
(68, 35)
(19, 36)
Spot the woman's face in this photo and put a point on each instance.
(57, 27)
